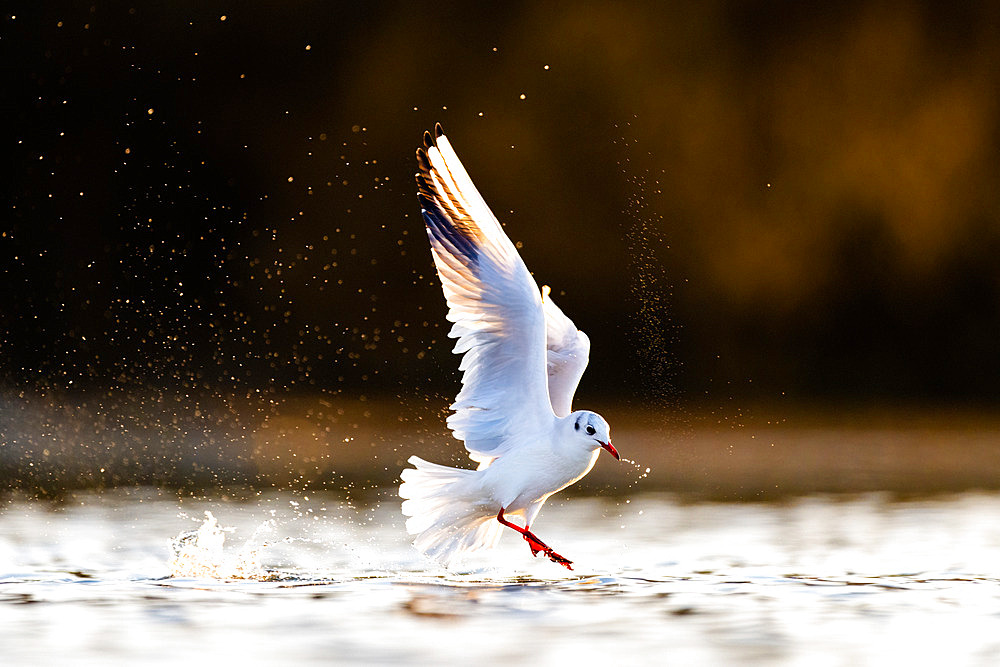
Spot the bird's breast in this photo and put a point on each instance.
(518, 480)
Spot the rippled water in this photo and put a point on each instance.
(816, 580)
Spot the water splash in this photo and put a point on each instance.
(199, 554)
(643, 472)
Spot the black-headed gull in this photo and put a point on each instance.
(523, 360)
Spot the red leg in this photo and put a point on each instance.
(535, 544)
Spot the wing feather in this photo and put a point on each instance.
(567, 354)
(495, 306)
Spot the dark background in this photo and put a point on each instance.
(749, 199)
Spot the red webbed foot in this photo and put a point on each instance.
(535, 544)
(562, 560)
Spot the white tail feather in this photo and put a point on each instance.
(447, 511)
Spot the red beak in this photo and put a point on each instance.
(611, 450)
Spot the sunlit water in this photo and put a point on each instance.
(288, 579)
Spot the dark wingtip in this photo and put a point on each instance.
(424, 201)
(428, 140)
(423, 187)
(438, 130)
(422, 161)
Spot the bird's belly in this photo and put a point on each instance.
(521, 482)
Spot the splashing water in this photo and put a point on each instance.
(643, 473)
(199, 554)
(794, 582)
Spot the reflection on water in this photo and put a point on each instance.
(815, 580)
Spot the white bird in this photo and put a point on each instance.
(523, 361)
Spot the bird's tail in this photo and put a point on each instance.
(447, 513)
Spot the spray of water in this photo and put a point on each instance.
(643, 472)
(200, 554)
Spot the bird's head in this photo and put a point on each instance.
(590, 430)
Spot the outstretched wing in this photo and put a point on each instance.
(495, 306)
(567, 353)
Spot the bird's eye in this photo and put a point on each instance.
(590, 430)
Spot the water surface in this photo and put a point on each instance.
(812, 580)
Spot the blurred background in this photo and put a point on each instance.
(778, 225)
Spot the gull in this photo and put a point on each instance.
(523, 358)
